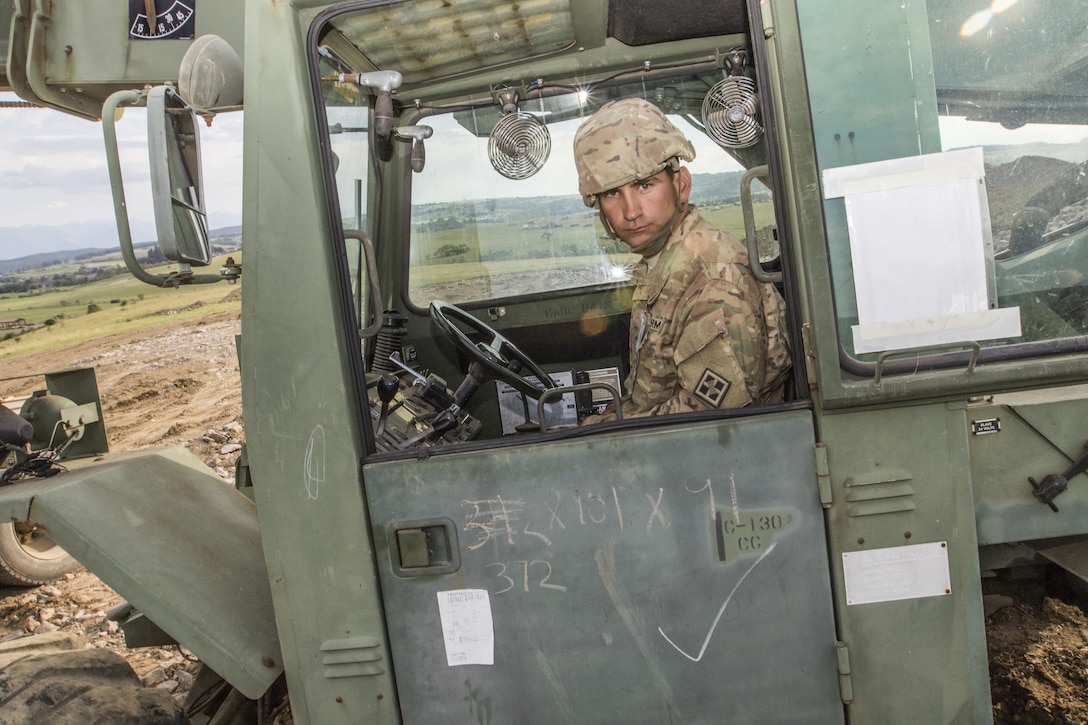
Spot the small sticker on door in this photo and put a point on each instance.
(467, 627)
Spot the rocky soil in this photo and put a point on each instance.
(1018, 184)
(178, 384)
(1039, 663)
(172, 384)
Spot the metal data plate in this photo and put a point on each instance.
(670, 575)
(896, 573)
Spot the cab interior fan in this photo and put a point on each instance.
(731, 107)
(520, 142)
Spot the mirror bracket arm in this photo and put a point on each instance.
(113, 163)
(120, 208)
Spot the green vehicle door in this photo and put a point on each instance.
(669, 574)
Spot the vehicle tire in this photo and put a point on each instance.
(50, 679)
(29, 557)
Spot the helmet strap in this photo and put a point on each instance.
(606, 224)
(653, 246)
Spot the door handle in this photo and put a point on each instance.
(424, 547)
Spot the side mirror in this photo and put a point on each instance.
(177, 185)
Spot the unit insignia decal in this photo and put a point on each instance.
(712, 388)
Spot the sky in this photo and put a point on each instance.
(53, 174)
(55, 188)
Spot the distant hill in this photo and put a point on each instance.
(225, 231)
(717, 188)
(48, 259)
(66, 239)
(76, 255)
(1002, 154)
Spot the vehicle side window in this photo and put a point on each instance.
(1033, 129)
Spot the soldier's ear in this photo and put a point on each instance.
(685, 184)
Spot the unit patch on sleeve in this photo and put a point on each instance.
(712, 388)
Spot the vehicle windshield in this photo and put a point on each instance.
(478, 235)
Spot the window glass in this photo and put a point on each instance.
(432, 39)
(1031, 120)
(348, 139)
(477, 235)
(350, 157)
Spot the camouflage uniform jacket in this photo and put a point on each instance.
(705, 334)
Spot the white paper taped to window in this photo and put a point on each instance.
(988, 325)
(919, 240)
(467, 627)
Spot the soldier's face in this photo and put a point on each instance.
(639, 210)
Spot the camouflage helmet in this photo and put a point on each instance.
(622, 142)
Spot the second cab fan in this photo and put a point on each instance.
(731, 107)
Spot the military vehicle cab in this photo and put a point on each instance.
(430, 311)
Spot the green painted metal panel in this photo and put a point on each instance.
(303, 409)
(870, 79)
(899, 479)
(177, 542)
(7, 9)
(676, 574)
(1026, 434)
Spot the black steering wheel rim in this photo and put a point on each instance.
(495, 352)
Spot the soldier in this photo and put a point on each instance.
(705, 334)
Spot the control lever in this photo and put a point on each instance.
(477, 376)
(388, 385)
(444, 421)
(395, 359)
(1054, 483)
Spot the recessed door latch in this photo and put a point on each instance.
(424, 548)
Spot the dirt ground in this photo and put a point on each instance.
(1039, 663)
(178, 383)
(171, 384)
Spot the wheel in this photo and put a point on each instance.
(52, 680)
(29, 557)
(498, 355)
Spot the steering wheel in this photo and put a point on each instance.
(494, 352)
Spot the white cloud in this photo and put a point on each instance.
(53, 173)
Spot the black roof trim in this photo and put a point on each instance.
(642, 22)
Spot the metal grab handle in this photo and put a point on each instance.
(756, 172)
(975, 350)
(560, 392)
(372, 275)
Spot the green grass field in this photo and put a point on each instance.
(123, 303)
(514, 247)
